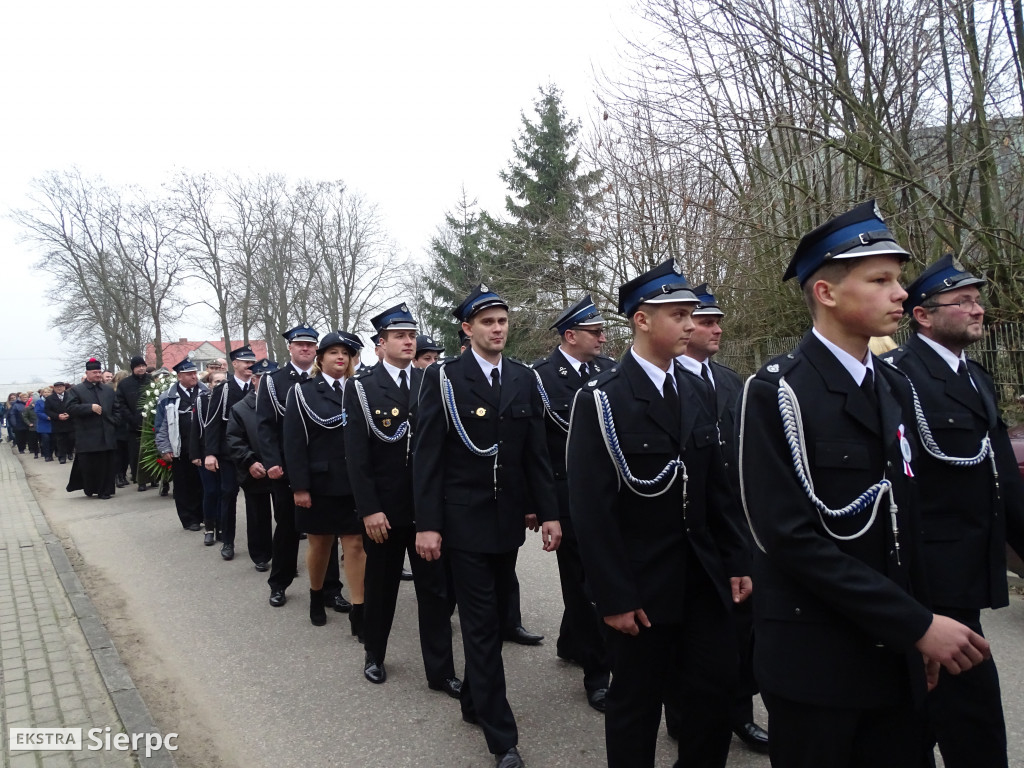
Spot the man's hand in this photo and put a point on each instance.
(377, 527)
(551, 535)
(742, 587)
(531, 522)
(275, 472)
(211, 463)
(167, 456)
(63, 416)
(951, 644)
(428, 545)
(97, 409)
(257, 470)
(931, 672)
(303, 499)
(628, 623)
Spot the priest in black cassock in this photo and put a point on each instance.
(95, 416)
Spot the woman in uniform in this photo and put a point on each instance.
(314, 452)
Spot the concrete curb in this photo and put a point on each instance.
(127, 700)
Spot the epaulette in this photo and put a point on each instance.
(779, 366)
(603, 363)
(514, 361)
(726, 367)
(603, 377)
(893, 356)
(446, 360)
(539, 362)
(361, 373)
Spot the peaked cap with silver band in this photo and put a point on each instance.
(661, 285)
(480, 299)
(397, 318)
(708, 303)
(582, 313)
(301, 333)
(243, 354)
(944, 275)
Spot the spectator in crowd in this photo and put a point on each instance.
(44, 427)
(130, 389)
(16, 422)
(63, 429)
(29, 415)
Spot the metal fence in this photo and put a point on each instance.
(1001, 351)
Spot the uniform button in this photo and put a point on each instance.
(888, 464)
(846, 459)
(950, 421)
(796, 611)
(645, 445)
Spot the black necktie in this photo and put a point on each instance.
(705, 373)
(337, 386)
(403, 385)
(496, 381)
(668, 391)
(304, 376)
(868, 388)
(962, 372)
(584, 371)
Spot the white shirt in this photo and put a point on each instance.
(696, 367)
(857, 368)
(655, 373)
(393, 372)
(308, 372)
(241, 384)
(487, 366)
(330, 381)
(945, 353)
(572, 360)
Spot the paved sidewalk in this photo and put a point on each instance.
(60, 669)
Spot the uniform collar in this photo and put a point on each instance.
(858, 370)
(393, 371)
(945, 353)
(654, 373)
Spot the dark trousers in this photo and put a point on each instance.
(46, 445)
(188, 491)
(63, 445)
(965, 711)
(434, 606)
(211, 498)
(691, 665)
(32, 438)
(581, 634)
(20, 439)
(483, 583)
(285, 546)
(128, 455)
(812, 736)
(228, 480)
(258, 525)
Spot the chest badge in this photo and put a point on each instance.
(563, 372)
(377, 412)
(481, 412)
(386, 422)
(394, 411)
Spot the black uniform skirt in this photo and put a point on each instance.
(329, 515)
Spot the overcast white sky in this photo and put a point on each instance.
(405, 101)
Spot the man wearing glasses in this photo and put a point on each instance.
(972, 501)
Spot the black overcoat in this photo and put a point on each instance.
(93, 432)
(243, 448)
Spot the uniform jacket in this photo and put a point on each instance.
(55, 406)
(835, 621)
(214, 432)
(271, 399)
(243, 446)
(174, 422)
(315, 455)
(635, 549)
(561, 381)
(381, 473)
(966, 522)
(456, 492)
(127, 393)
(93, 432)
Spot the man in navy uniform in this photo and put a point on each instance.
(658, 532)
(480, 462)
(574, 361)
(971, 499)
(721, 386)
(271, 399)
(842, 644)
(218, 459)
(381, 408)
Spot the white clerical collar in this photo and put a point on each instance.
(487, 366)
(857, 368)
(944, 352)
(393, 371)
(656, 375)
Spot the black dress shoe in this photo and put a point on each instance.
(596, 697)
(373, 670)
(523, 636)
(754, 736)
(195, 527)
(406, 575)
(262, 566)
(165, 489)
(63, 461)
(142, 487)
(510, 759)
(120, 481)
(208, 539)
(339, 604)
(104, 495)
(277, 597)
(227, 552)
(450, 685)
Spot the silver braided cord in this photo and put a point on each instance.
(404, 429)
(452, 413)
(792, 425)
(272, 391)
(547, 405)
(204, 422)
(932, 447)
(675, 467)
(328, 422)
(743, 485)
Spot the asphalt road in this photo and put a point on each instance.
(244, 684)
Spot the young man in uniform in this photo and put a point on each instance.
(381, 407)
(658, 533)
(971, 499)
(479, 459)
(842, 644)
(572, 363)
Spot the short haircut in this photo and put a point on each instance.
(834, 271)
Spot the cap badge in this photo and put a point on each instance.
(676, 267)
(878, 213)
(958, 265)
(484, 288)
(481, 411)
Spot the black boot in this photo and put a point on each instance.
(355, 620)
(121, 481)
(317, 614)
